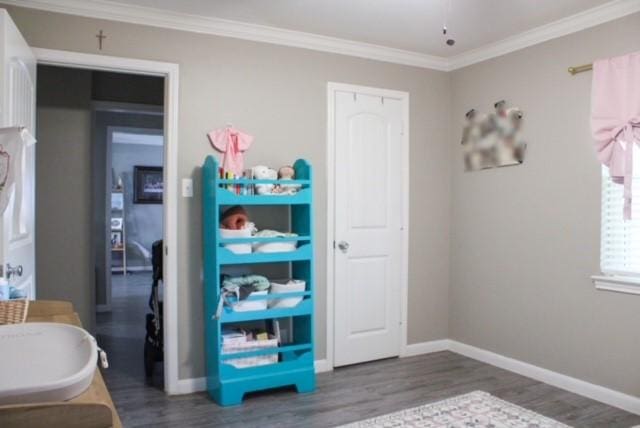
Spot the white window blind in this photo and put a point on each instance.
(620, 240)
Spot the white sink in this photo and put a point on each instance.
(45, 362)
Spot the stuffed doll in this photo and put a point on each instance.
(262, 172)
(286, 173)
(235, 218)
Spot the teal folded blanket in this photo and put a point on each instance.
(258, 282)
(240, 287)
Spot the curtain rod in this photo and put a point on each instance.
(579, 69)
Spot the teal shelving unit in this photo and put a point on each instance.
(227, 384)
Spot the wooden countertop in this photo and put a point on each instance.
(91, 409)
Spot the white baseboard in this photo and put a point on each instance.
(577, 386)
(421, 348)
(596, 392)
(189, 386)
(322, 366)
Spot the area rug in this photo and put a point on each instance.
(477, 409)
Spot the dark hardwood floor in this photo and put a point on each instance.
(121, 332)
(344, 395)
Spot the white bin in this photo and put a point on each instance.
(252, 305)
(283, 246)
(287, 286)
(254, 345)
(237, 233)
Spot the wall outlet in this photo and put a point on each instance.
(187, 188)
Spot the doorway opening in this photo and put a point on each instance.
(100, 195)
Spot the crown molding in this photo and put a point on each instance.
(571, 24)
(103, 9)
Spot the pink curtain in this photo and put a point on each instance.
(615, 117)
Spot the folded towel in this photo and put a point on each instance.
(274, 234)
(241, 287)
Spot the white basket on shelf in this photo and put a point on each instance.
(253, 345)
(237, 233)
(252, 305)
(283, 246)
(286, 286)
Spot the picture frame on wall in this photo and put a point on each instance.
(116, 223)
(116, 239)
(148, 184)
(117, 201)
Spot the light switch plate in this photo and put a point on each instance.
(187, 188)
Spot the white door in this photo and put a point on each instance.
(17, 101)
(368, 227)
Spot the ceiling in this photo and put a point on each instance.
(405, 32)
(412, 25)
(139, 138)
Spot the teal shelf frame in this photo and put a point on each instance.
(227, 384)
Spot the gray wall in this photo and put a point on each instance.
(64, 245)
(143, 221)
(102, 199)
(70, 185)
(525, 240)
(278, 94)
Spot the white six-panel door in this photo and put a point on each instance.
(18, 100)
(368, 227)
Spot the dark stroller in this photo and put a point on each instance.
(153, 343)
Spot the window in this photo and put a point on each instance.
(620, 240)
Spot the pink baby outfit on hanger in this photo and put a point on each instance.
(615, 117)
(232, 143)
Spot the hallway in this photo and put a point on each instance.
(121, 333)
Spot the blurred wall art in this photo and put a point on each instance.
(491, 140)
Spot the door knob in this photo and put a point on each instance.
(343, 246)
(13, 270)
